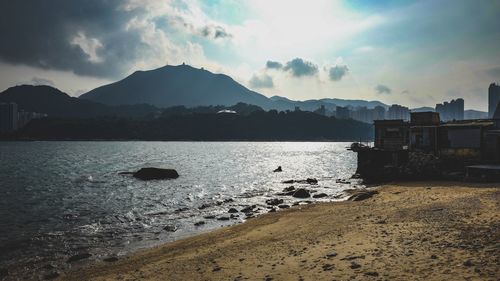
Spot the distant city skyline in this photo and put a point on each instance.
(413, 53)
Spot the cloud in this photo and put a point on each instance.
(261, 81)
(336, 73)
(299, 67)
(383, 89)
(215, 32)
(99, 38)
(273, 65)
(494, 72)
(41, 81)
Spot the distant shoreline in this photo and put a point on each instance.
(183, 140)
(422, 230)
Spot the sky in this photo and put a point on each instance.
(415, 53)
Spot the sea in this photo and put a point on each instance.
(65, 204)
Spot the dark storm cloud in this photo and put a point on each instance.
(299, 67)
(215, 32)
(41, 34)
(273, 65)
(261, 81)
(383, 89)
(337, 72)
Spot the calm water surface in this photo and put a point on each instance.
(59, 199)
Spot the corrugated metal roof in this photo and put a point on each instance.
(468, 124)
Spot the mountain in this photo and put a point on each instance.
(176, 85)
(283, 103)
(355, 103)
(188, 86)
(53, 102)
(475, 114)
(423, 109)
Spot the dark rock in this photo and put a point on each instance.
(327, 267)
(234, 216)
(274, 201)
(278, 169)
(288, 181)
(156, 174)
(217, 268)
(248, 209)
(301, 193)
(51, 275)
(209, 217)
(223, 218)
(311, 181)
(78, 257)
(199, 223)
(354, 265)
(183, 209)
(320, 195)
(468, 263)
(170, 228)
(284, 206)
(331, 255)
(288, 189)
(434, 257)
(371, 273)
(272, 210)
(362, 195)
(204, 206)
(126, 173)
(232, 211)
(110, 259)
(350, 258)
(70, 216)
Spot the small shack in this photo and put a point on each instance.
(425, 143)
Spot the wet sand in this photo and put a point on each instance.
(408, 231)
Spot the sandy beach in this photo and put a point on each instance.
(408, 231)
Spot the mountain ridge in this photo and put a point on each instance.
(172, 85)
(55, 103)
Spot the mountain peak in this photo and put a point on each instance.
(173, 85)
(33, 89)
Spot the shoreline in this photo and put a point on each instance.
(421, 230)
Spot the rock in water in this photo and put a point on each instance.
(301, 193)
(312, 181)
(274, 201)
(170, 228)
(278, 169)
(320, 195)
(156, 174)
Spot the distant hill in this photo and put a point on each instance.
(355, 103)
(475, 114)
(423, 109)
(257, 126)
(49, 100)
(176, 85)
